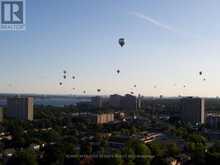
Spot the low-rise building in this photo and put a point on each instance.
(119, 115)
(104, 118)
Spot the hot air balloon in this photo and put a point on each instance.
(121, 42)
(84, 92)
(64, 76)
(204, 79)
(98, 90)
(73, 77)
(200, 73)
(61, 83)
(64, 72)
(118, 71)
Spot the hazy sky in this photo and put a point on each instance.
(167, 43)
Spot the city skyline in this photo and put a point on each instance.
(167, 45)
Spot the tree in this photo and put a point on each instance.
(158, 161)
(196, 138)
(116, 159)
(213, 158)
(17, 132)
(215, 147)
(51, 136)
(133, 130)
(139, 152)
(181, 132)
(157, 149)
(25, 157)
(53, 155)
(72, 157)
(197, 151)
(86, 149)
(173, 149)
(70, 139)
(142, 154)
(128, 155)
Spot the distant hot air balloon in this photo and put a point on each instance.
(64, 72)
(61, 83)
(73, 77)
(204, 79)
(84, 92)
(121, 42)
(64, 76)
(118, 71)
(98, 90)
(200, 73)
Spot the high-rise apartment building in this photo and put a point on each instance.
(193, 110)
(20, 108)
(97, 101)
(115, 101)
(129, 103)
(1, 114)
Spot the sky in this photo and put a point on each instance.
(168, 42)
